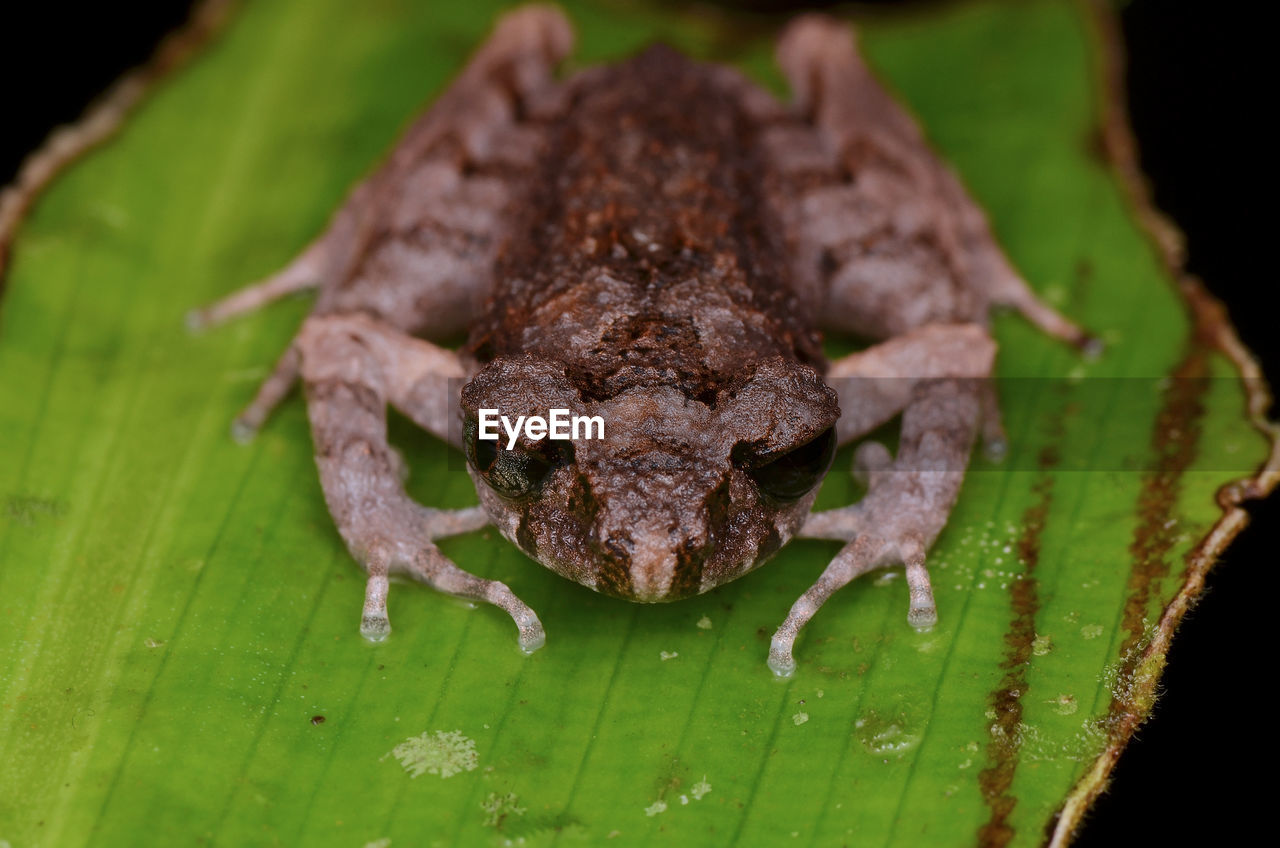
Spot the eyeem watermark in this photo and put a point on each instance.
(558, 425)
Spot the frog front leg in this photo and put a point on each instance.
(933, 376)
(415, 242)
(352, 367)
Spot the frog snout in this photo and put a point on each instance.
(652, 536)
(652, 566)
(662, 563)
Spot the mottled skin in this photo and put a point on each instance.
(643, 285)
(659, 243)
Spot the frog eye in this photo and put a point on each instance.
(511, 473)
(793, 474)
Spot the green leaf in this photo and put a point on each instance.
(181, 661)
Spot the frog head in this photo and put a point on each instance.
(654, 495)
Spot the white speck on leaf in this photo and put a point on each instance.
(656, 807)
(704, 623)
(800, 718)
(443, 753)
(498, 807)
(700, 789)
(668, 655)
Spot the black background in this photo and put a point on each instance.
(1201, 768)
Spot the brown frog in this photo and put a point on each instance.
(657, 243)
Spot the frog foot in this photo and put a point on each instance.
(865, 553)
(907, 503)
(409, 550)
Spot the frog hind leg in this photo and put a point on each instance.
(352, 367)
(934, 377)
(414, 243)
(907, 243)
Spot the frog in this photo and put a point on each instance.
(659, 243)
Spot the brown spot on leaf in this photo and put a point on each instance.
(1083, 270)
(1095, 146)
(996, 779)
(1173, 441)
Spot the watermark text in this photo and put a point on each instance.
(558, 424)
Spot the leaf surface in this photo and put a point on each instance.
(178, 616)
